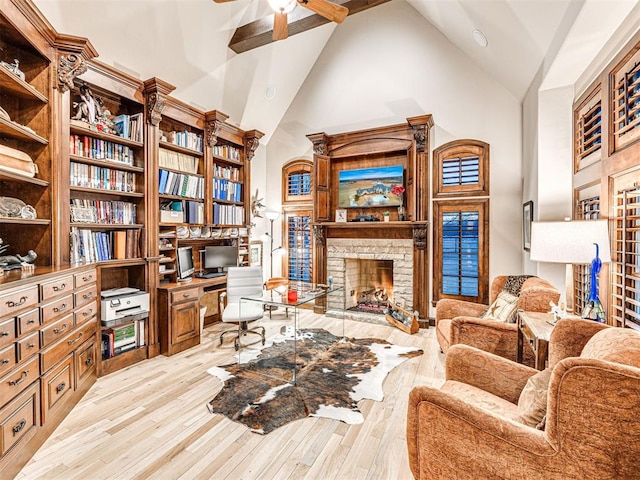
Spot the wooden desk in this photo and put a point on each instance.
(535, 329)
(179, 312)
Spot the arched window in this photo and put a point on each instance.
(298, 209)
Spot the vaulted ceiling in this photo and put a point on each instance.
(185, 42)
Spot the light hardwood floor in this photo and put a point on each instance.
(149, 421)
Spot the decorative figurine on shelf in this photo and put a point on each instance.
(9, 262)
(593, 309)
(87, 107)
(559, 311)
(14, 68)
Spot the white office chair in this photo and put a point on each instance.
(243, 282)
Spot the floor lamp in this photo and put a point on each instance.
(575, 242)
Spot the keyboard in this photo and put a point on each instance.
(210, 275)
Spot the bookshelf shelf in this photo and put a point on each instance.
(99, 191)
(107, 164)
(14, 177)
(78, 130)
(121, 263)
(25, 221)
(178, 197)
(14, 85)
(19, 132)
(179, 149)
(106, 226)
(227, 160)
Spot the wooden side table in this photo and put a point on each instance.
(535, 328)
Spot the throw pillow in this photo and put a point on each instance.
(503, 308)
(532, 404)
(514, 283)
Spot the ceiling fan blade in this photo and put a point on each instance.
(330, 11)
(223, 1)
(280, 26)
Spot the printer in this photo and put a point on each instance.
(123, 305)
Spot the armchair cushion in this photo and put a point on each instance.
(504, 308)
(532, 404)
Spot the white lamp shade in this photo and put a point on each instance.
(272, 215)
(282, 6)
(570, 242)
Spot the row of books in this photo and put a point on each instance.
(98, 149)
(228, 214)
(107, 212)
(185, 139)
(180, 184)
(227, 151)
(123, 338)
(104, 178)
(90, 246)
(227, 190)
(129, 126)
(222, 171)
(177, 161)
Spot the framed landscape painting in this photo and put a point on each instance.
(255, 253)
(527, 219)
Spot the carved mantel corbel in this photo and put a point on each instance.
(320, 234)
(156, 91)
(421, 126)
(420, 236)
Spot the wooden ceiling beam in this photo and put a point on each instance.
(260, 32)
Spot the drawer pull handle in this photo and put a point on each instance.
(71, 342)
(12, 304)
(31, 345)
(88, 361)
(185, 295)
(87, 279)
(88, 312)
(4, 334)
(5, 361)
(22, 378)
(61, 329)
(19, 426)
(60, 387)
(31, 321)
(59, 288)
(87, 295)
(61, 308)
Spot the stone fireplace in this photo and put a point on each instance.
(365, 264)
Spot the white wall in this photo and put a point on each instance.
(387, 67)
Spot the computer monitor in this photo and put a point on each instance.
(220, 257)
(184, 259)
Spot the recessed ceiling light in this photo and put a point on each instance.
(480, 38)
(270, 92)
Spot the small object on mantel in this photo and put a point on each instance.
(401, 318)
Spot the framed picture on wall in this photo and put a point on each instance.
(255, 253)
(527, 218)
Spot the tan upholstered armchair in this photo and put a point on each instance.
(458, 321)
(471, 428)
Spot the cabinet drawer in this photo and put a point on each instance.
(59, 350)
(56, 287)
(85, 295)
(18, 379)
(18, 300)
(8, 358)
(184, 295)
(85, 360)
(56, 384)
(28, 321)
(56, 308)
(7, 332)
(56, 330)
(85, 278)
(28, 345)
(85, 313)
(19, 417)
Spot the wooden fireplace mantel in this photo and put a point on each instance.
(391, 230)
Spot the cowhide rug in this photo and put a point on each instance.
(333, 375)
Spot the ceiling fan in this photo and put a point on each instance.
(330, 11)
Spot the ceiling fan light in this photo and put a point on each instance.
(282, 6)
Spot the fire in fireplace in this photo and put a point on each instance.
(369, 284)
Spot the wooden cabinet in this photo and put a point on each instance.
(179, 319)
(44, 356)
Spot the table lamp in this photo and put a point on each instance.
(574, 242)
